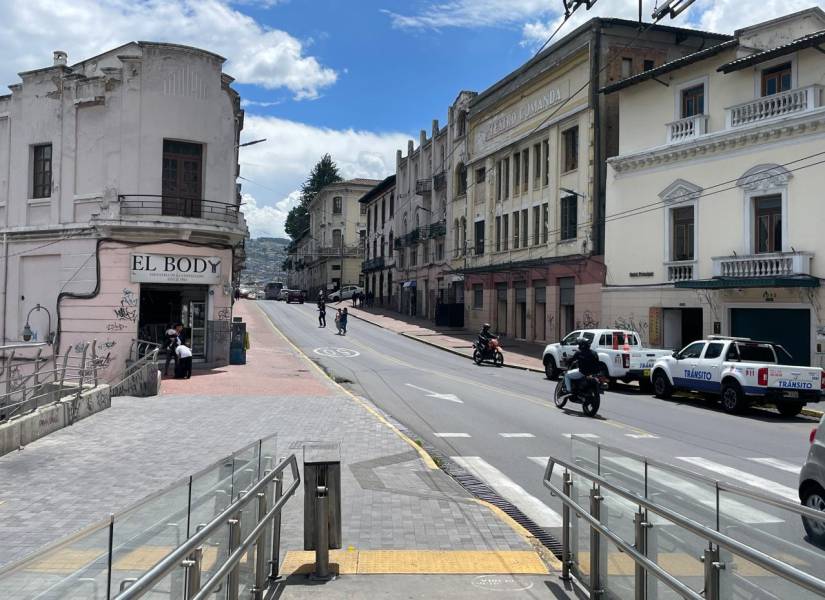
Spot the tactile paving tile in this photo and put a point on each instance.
(66, 561)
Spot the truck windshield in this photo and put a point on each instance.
(756, 353)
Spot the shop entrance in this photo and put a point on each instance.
(163, 304)
(682, 326)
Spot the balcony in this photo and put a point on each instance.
(680, 270)
(777, 264)
(783, 104)
(423, 186)
(407, 239)
(434, 230)
(149, 205)
(686, 129)
(372, 264)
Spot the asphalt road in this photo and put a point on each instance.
(501, 424)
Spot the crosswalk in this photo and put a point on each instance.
(672, 488)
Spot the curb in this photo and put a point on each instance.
(811, 412)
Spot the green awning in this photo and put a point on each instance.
(717, 283)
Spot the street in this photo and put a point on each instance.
(501, 425)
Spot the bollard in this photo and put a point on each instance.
(565, 532)
(275, 559)
(321, 536)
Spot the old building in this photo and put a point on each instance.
(713, 209)
(119, 207)
(532, 184)
(378, 267)
(337, 235)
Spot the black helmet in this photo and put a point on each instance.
(486, 326)
(584, 343)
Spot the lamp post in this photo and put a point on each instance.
(252, 143)
(27, 330)
(571, 192)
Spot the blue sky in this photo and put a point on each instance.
(355, 78)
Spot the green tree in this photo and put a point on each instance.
(323, 173)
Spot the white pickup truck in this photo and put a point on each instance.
(741, 372)
(615, 348)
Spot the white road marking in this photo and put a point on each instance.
(432, 394)
(531, 506)
(516, 435)
(738, 476)
(779, 464)
(581, 435)
(452, 435)
(642, 436)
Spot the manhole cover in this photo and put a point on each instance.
(501, 583)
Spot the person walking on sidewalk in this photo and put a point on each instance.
(322, 313)
(171, 342)
(338, 321)
(344, 316)
(184, 369)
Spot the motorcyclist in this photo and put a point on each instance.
(586, 362)
(485, 336)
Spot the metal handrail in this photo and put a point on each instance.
(723, 486)
(174, 560)
(770, 564)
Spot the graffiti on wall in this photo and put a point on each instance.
(632, 323)
(587, 321)
(225, 314)
(116, 327)
(127, 311)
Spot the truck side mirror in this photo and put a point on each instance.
(676, 355)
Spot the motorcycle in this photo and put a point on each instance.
(586, 392)
(491, 351)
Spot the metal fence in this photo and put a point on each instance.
(31, 378)
(634, 527)
(154, 205)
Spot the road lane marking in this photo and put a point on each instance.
(452, 435)
(516, 435)
(738, 476)
(541, 514)
(779, 464)
(642, 436)
(581, 435)
(432, 394)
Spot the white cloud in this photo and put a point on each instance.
(725, 16)
(256, 54)
(279, 166)
(471, 13)
(263, 104)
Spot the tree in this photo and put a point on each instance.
(323, 173)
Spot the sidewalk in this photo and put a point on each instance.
(409, 530)
(517, 353)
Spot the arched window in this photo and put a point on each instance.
(456, 244)
(461, 179)
(391, 249)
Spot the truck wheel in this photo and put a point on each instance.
(661, 386)
(813, 496)
(733, 400)
(550, 369)
(789, 409)
(604, 373)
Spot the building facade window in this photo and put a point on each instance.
(693, 101)
(525, 169)
(567, 305)
(545, 171)
(181, 179)
(42, 171)
(683, 233)
(498, 234)
(776, 79)
(390, 247)
(479, 237)
(392, 204)
(478, 295)
(499, 181)
(382, 246)
(517, 173)
(365, 211)
(461, 124)
(481, 175)
(525, 240)
(439, 250)
(627, 67)
(767, 212)
(505, 232)
(569, 217)
(571, 149)
(413, 256)
(649, 65)
(426, 252)
(337, 239)
(463, 235)
(338, 206)
(461, 179)
(383, 212)
(545, 222)
(516, 231)
(536, 224)
(506, 171)
(536, 165)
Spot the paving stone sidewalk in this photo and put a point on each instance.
(391, 498)
(517, 353)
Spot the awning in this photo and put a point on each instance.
(790, 281)
(409, 283)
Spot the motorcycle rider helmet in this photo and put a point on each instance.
(485, 328)
(583, 343)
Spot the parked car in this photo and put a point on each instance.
(812, 484)
(294, 296)
(741, 372)
(615, 348)
(345, 293)
(282, 295)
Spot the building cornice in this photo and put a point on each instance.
(723, 141)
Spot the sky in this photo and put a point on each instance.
(354, 78)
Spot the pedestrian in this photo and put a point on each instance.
(322, 313)
(184, 370)
(338, 321)
(171, 342)
(344, 317)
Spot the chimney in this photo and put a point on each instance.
(435, 127)
(410, 147)
(60, 58)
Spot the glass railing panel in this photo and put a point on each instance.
(741, 578)
(170, 586)
(244, 470)
(580, 529)
(776, 531)
(246, 573)
(211, 493)
(678, 552)
(269, 453)
(215, 552)
(616, 568)
(686, 496)
(76, 570)
(584, 453)
(623, 471)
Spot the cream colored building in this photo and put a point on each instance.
(531, 182)
(378, 267)
(337, 234)
(714, 211)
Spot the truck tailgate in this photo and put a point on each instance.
(794, 378)
(644, 359)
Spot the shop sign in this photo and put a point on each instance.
(168, 268)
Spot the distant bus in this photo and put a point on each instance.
(272, 290)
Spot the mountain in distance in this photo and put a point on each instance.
(264, 257)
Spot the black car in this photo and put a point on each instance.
(294, 296)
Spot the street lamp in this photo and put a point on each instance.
(250, 143)
(27, 330)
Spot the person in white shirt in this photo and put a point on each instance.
(170, 343)
(184, 367)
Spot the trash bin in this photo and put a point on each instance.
(237, 347)
(322, 469)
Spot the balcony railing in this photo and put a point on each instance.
(372, 264)
(152, 205)
(681, 270)
(408, 239)
(776, 264)
(434, 230)
(774, 106)
(423, 186)
(686, 129)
